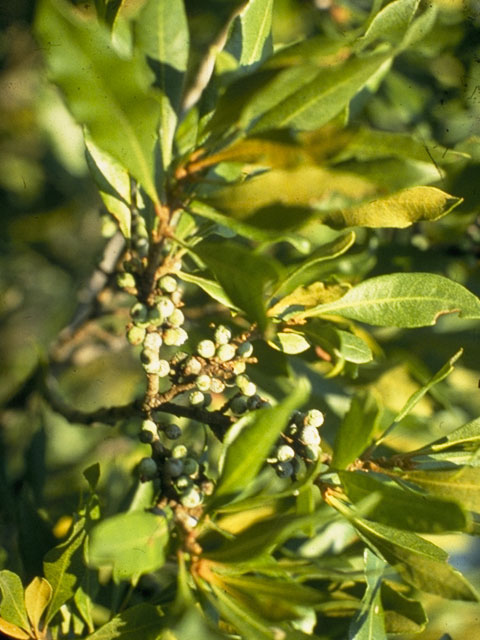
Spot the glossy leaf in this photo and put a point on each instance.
(12, 606)
(108, 94)
(250, 39)
(214, 289)
(401, 300)
(458, 483)
(338, 342)
(391, 23)
(63, 567)
(403, 508)
(397, 211)
(246, 453)
(131, 543)
(37, 596)
(162, 34)
(290, 342)
(368, 623)
(356, 430)
(11, 630)
(245, 287)
(323, 97)
(140, 621)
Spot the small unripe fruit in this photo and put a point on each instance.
(176, 318)
(285, 453)
(222, 335)
(314, 418)
(125, 280)
(203, 382)
(310, 436)
(192, 367)
(155, 317)
(226, 352)
(245, 385)
(206, 348)
(183, 482)
(284, 469)
(239, 405)
(175, 337)
(163, 368)
(174, 467)
(245, 349)
(196, 398)
(192, 498)
(153, 341)
(180, 451)
(239, 367)
(190, 466)
(217, 385)
(168, 284)
(165, 306)
(139, 312)
(136, 335)
(172, 431)
(311, 453)
(147, 469)
(149, 427)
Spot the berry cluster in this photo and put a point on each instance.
(300, 443)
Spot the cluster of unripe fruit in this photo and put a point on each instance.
(299, 444)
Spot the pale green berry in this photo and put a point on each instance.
(155, 317)
(139, 312)
(245, 349)
(203, 382)
(147, 469)
(192, 498)
(206, 348)
(152, 367)
(285, 453)
(217, 385)
(183, 482)
(239, 405)
(245, 385)
(149, 427)
(165, 306)
(192, 367)
(180, 451)
(175, 337)
(222, 335)
(284, 469)
(314, 418)
(239, 367)
(226, 352)
(136, 335)
(163, 368)
(190, 466)
(125, 280)
(310, 436)
(174, 467)
(168, 284)
(153, 341)
(172, 431)
(176, 318)
(196, 398)
(311, 453)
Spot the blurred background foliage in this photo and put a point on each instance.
(51, 241)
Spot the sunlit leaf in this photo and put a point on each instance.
(12, 630)
(12, 606)
(250, 39)
(37, 596)
(368, 623)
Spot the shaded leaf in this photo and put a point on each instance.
(403, 508)
(466, 437)
(247, 622)
(402, 614)
(131, 543)
(391, 23)
(140, 621)
(214, 289)
(107, 93)
(368, 623)
(250, 442)
(397, 211)
(250, 39)
(12, 606)
(356, 429)
(162, 34)
(37, 596)
(401, 300)
(342, 343)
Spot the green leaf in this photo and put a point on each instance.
(12, 606)
(403, 508)
(397, 211)
(320, 99)
(290, 342)
(113, 182)
(243, 275)
(356, 430)
(247, 622)
(458, 483)
(214, 289)
(420, 563)
(402, 614)
(140, 621)
(107, 93)
(391, 23)
(63, 567)
(338, 342)
(466, 437)
(401, 300)
(368, 623)
(162, 34)
(37, 596)
(131, 543)
(250, 39)
(249, 442)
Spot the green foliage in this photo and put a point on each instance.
(280, 205)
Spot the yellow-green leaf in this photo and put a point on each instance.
(10, 629)
(37, 596)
